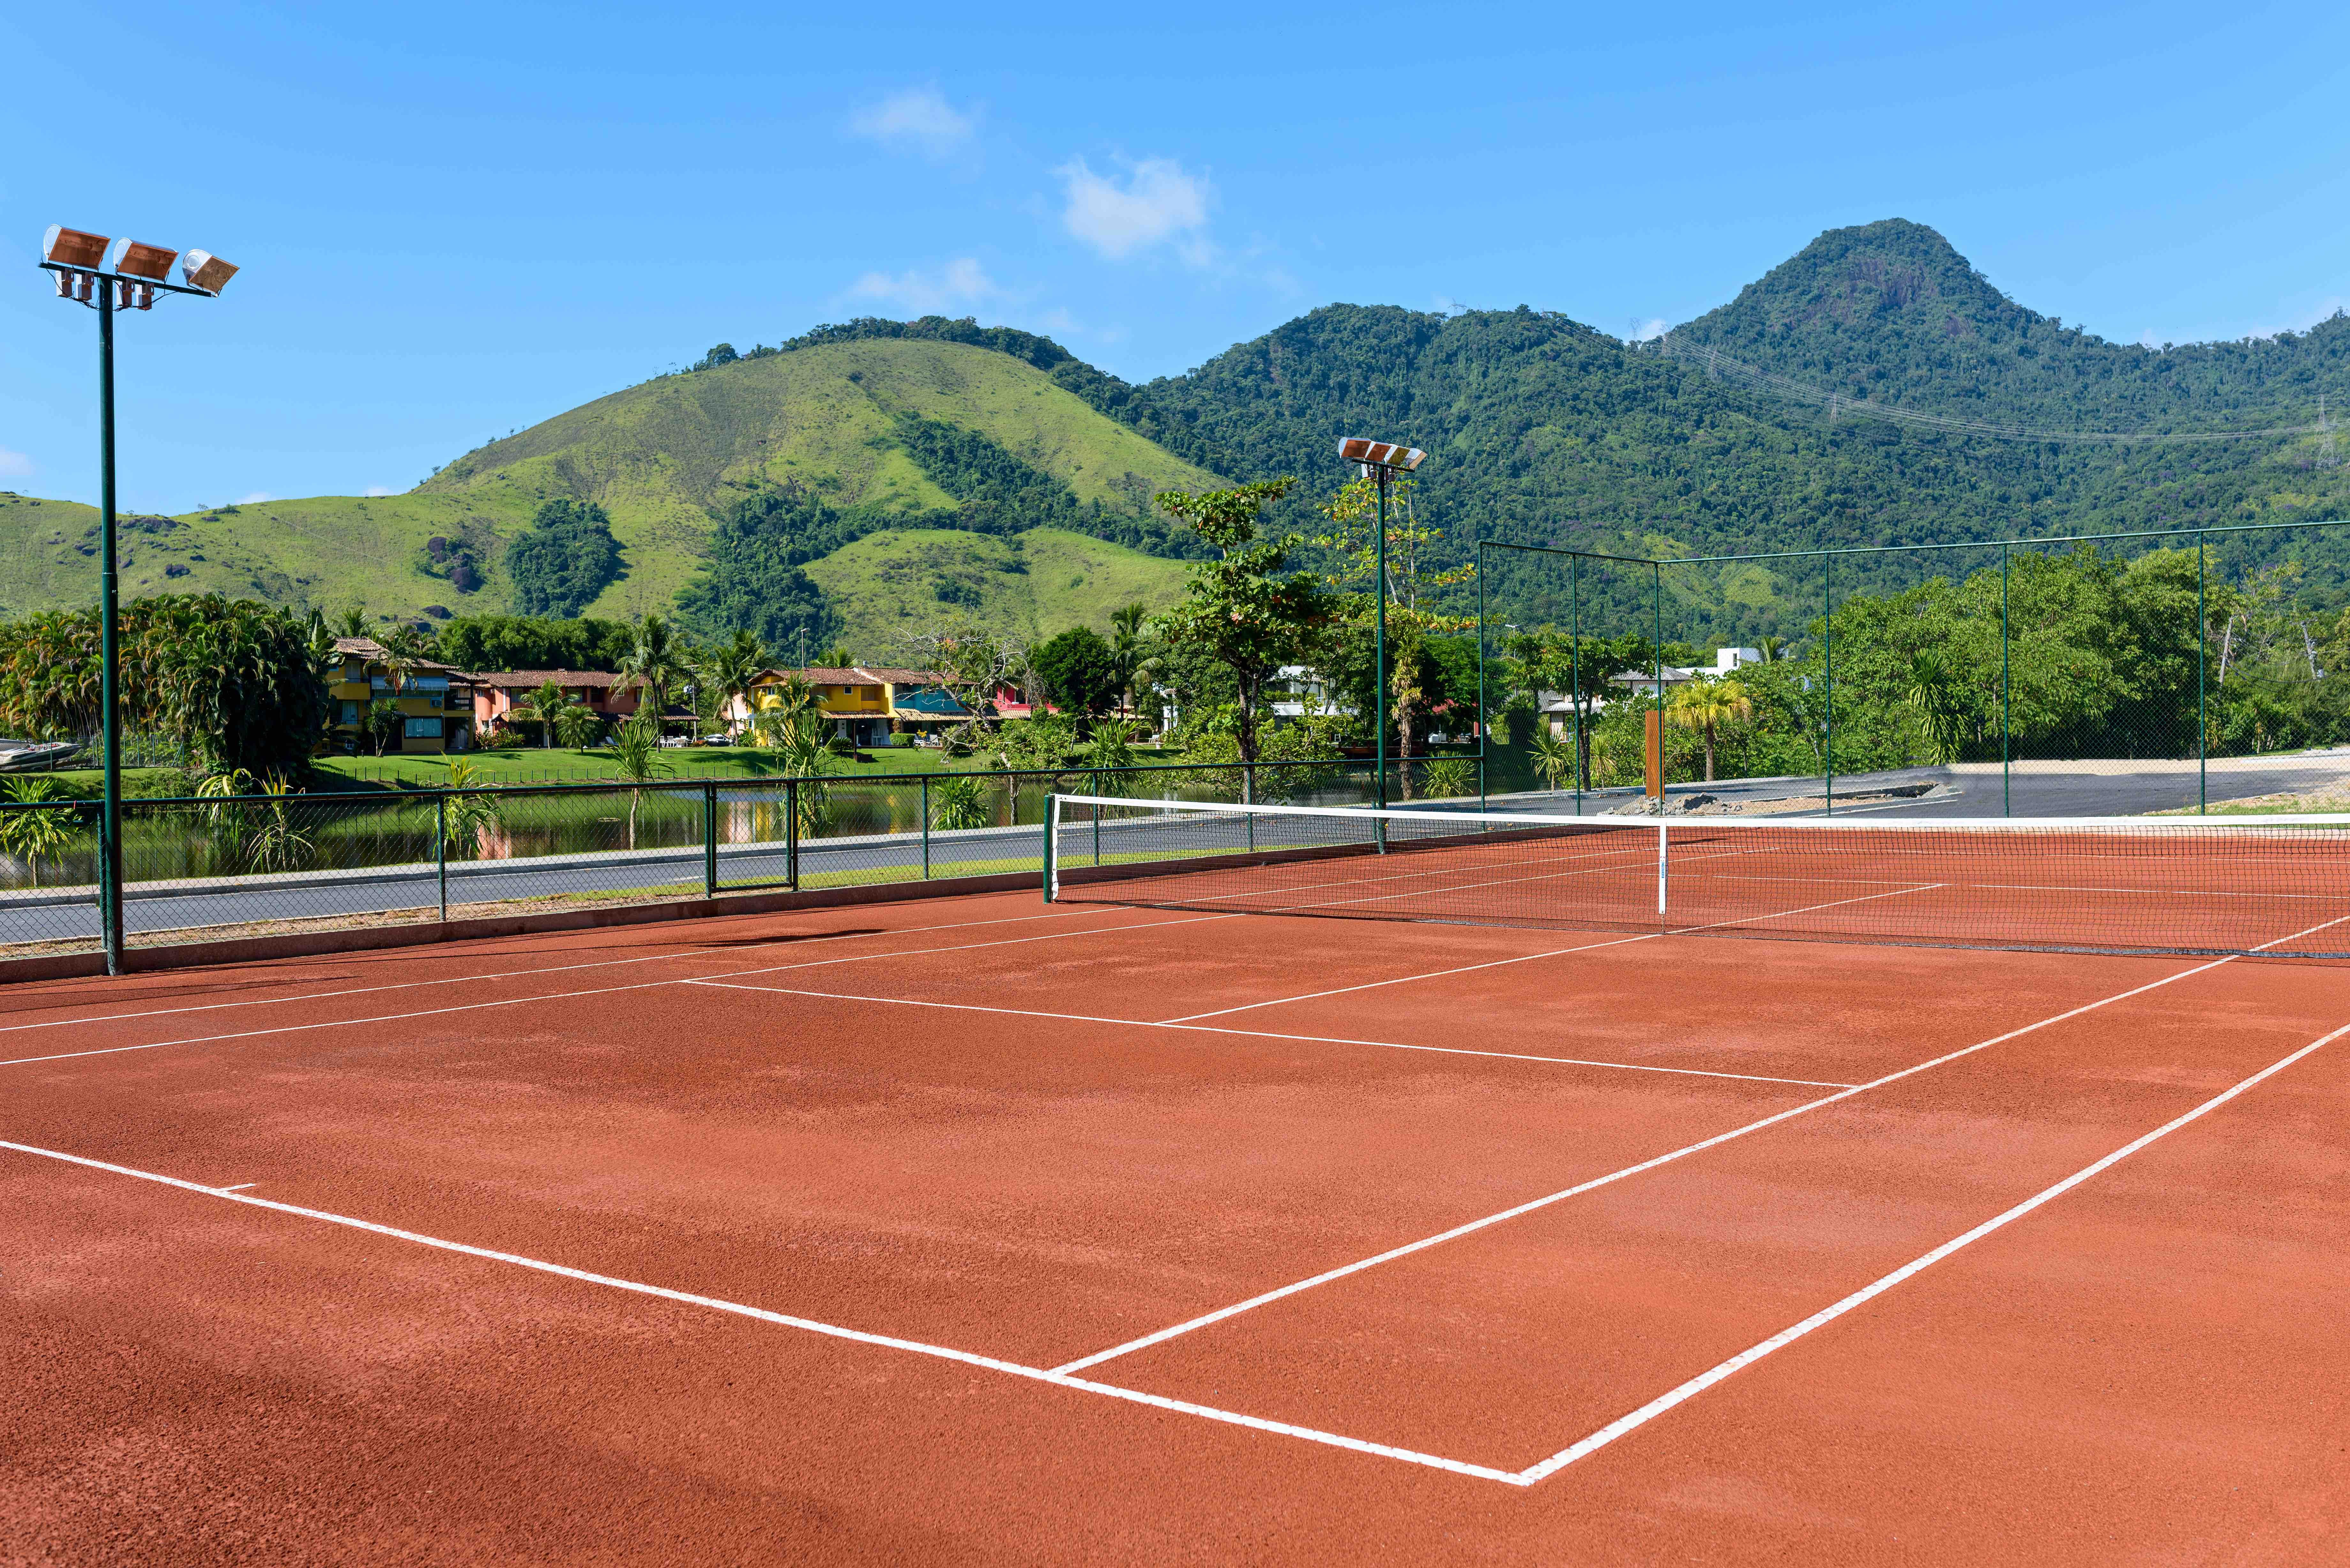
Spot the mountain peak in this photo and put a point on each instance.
(1892, 274)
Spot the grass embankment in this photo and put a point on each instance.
(558, 765)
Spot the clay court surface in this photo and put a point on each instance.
(982, 1231)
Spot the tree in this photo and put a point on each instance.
(1126, 651)
(727, 671)
(1078, 669)
(383, 724)
(657, 661)
(235, 681)
(1704, 704)
(471, 815)
(576, 725)
(1239, 608)
(1415, 583)
(752, 580)
(566, 558)
(972, 664)
(33, 829)
(545, 704)
(636, 748)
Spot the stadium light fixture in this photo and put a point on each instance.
(78, 261)
(1381, 461)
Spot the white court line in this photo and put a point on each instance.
(833, 1331)
(728, 984)
(238, 1188)
(1554, 952)
(596, 990)
(527, 973)
(1784, 1337)
(1409, 1248)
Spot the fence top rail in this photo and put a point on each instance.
(2014, 544)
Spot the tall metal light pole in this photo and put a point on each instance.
(1381, 461)
(108, 275)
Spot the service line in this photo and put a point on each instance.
(1190, 1325)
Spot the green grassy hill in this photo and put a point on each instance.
(660, 458)
(898, 581)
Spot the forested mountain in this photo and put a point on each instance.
(1543, 431)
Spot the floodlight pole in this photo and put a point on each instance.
(109, 829)
(1380, 643)
(104, 298)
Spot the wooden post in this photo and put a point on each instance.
(1656, 758)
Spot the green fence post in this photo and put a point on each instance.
(2202, 710)
(710, 841)
(1827, 659)
(1656, 604)
(1481, 724)
(1098, 790)
(441, 846)
(1248, 797)
(926, 828)
(2006, 797)
(1574, 669)
(792, 833)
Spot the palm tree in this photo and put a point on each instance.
(728, 670)
(577, 724)
(1125, 650)
(1553, 756)
(1705, 703)
(657, 661)
(637, 748)
(545, 705)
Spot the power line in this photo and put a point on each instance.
(1840, 405)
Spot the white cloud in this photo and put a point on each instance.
(15, 464)
(1159, 202)
(1059, 320)
(962, 283)
(920, 117)
(256, 499)
(379, 490)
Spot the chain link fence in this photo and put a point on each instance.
(2106, 675)
(197, 870)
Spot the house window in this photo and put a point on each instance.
(420, 729)
(350, 714)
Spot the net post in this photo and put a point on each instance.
(926, 828)
(1574, 669)
(1657, 703)
(441, 847)
(1097, 810)
(1248, 798)
(1663, 857)
(792, 833)
(710, 840)
(1047, 863)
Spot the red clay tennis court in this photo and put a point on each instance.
(987, 1230)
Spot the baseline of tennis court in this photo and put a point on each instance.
(982, 1229)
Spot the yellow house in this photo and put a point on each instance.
(434, 702)
(865, 702)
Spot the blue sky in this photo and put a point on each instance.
(456, 221)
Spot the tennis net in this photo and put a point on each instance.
(2276, 885)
